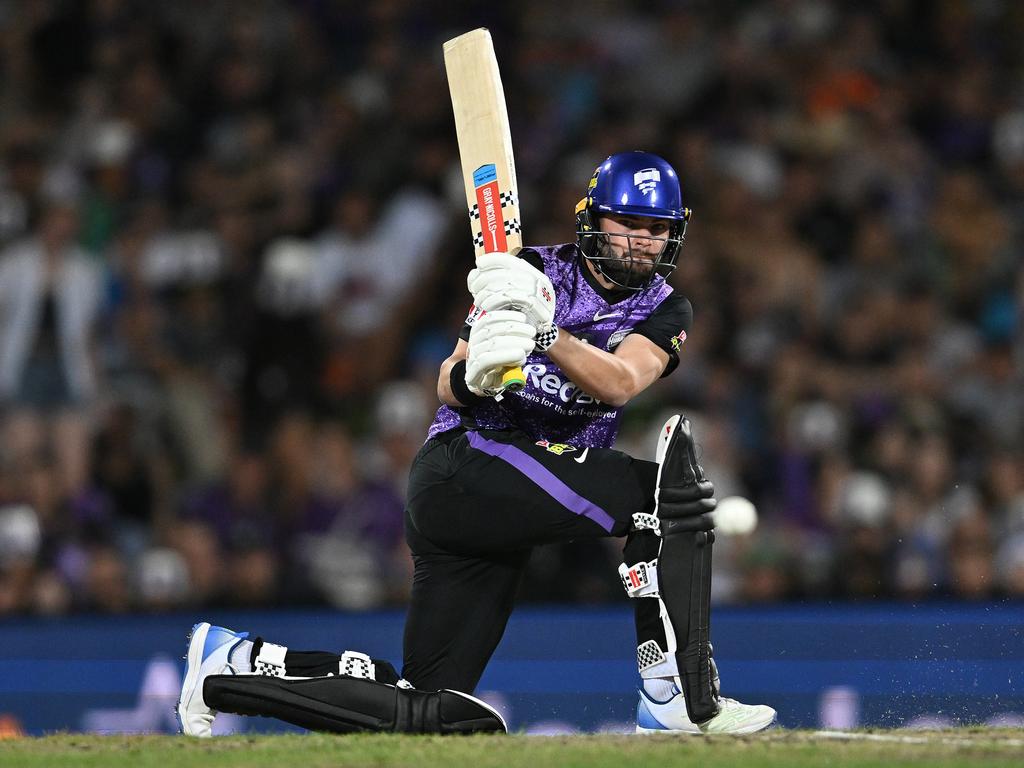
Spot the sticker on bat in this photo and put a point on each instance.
(488, 200)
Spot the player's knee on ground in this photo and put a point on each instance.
(351, 705)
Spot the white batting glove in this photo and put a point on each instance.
(498, 340)
(501, 281)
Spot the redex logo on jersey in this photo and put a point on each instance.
(552, 384)
(677, 341)
(488, 200)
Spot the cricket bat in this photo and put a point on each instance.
(485, 148)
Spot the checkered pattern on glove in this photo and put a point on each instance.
(546, 337)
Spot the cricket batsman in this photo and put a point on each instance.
(592, 324)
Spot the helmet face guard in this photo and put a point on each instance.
(634, 184)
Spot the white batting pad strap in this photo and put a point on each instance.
(654, 662)
(640, 580)
(355, 664)
(648, 654)
(644, 522)
(669, 667)
(270, 660)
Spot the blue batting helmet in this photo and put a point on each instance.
(631, 184)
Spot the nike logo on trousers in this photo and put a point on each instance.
(583, 456)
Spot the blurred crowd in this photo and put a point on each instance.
(233, 248)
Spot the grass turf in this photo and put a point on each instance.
(785, 749)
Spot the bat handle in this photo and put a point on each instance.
(512, 379)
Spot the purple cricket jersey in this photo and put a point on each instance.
(550, 407)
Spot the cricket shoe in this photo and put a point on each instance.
(671, 717)
(209, 653)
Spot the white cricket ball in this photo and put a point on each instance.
(735, 516)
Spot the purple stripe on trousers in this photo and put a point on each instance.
(543, 477)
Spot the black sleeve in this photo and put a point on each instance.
(667, 327)
(528, 255)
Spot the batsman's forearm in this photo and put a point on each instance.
(598, 373)
(444, 386)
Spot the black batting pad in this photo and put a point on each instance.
(684, 568)
(349, 705)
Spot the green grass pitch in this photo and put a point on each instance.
(785, 749)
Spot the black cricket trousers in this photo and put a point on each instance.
(477, 503)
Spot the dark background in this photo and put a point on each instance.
(249, 221)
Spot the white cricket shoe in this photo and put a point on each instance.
(209, 653)
(670, 716)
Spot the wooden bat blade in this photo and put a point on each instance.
(485, 151)
(485, 142)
